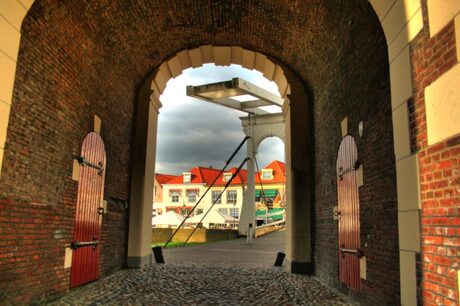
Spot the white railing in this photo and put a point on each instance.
(271, 224)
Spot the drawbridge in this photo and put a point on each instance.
(264, 119)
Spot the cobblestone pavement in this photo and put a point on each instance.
(223, 273)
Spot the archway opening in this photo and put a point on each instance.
(195, 139)
(270, 184)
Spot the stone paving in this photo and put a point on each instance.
(221, 273)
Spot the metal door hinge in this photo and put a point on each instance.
(84, 162)
(358, 252)
(79, 244)
(335, 213)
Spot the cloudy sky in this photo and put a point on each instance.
(193, 132)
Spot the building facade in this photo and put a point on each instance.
(160, 179)
(182, 192)
(270, 186)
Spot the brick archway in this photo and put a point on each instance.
(401, 22)
(220, 56)
(299, 238)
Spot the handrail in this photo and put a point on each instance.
(209, 187)
(218, 198)
(271, 224)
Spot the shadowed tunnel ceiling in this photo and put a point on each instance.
(80, 58)
(134, 37)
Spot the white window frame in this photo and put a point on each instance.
(187, 177)
(191, 192)
(267, 174)
(230, 197)
(227, 176)
(232, 212)
(223, 211)
(214, 195)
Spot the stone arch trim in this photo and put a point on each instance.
(12, 13)
(262, 138)
(261, 127)
(291, 88)
(221, 56)
(401, 21)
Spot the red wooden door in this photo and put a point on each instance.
(87, 230)
(349, 228)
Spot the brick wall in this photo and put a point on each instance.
(80, 58)
(114, 236)
(439, 172)
(355, 84)
(62, 80)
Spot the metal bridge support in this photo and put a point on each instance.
(248, 210)
(257, 127)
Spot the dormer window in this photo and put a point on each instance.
(267, 174)
(187, 177)
(227, 176)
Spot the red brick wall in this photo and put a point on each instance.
(31, 252)
(439, 173)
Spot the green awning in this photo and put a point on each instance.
(260, 213)
(277, 217)
(277, 214)
(269, 193)
(274, 211)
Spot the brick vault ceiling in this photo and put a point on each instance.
(137, 36)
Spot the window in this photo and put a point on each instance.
(223, 211)
(187, 177)
(215, 195)
(231, 196)
(235, 212)
(184, 211)
(267, 174)
(227, 176)
(199, 211)
(174, 194)
(191, 196)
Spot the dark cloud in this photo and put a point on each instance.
(196, 133)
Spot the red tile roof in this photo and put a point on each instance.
(202, 175)
(240, 179)
(279, 173)
(163, 178)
